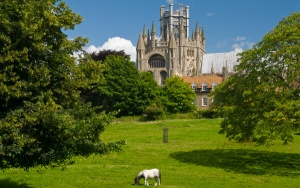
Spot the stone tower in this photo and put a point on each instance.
(173, 52)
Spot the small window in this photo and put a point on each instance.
(194, 87)
(204, 87)
(214, 85)
(204, 102)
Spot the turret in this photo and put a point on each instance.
(171, 16)
(140, 50)
(172, 55)
(197, 32)
(187, 11)
(141, 44)
(167, 33)
(172, 43)
(203, 35)
(144, 32)
(153, 36)
(162, 10)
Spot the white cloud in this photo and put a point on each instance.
(239, 38)
(115, 43)
(209, 14)
(241, 44)
(238, 47)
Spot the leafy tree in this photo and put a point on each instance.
(177, 96)
(102, 54)
(119, 89)
(149, 91)
(43, 120)
(122, 88)
(261, 101)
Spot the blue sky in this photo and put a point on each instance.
(229, 24)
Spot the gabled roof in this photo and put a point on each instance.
(199, 80)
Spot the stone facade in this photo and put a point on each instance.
(174, 52)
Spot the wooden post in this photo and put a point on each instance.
(165, 135)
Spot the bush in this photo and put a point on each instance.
(153, 112)
(211, 113)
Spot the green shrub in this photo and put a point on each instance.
(210, 113)
(153, 112)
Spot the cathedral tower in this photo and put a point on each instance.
(174, 52)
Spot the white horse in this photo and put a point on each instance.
(148, 174)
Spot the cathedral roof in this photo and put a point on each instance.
(199, 80)
(214, 62)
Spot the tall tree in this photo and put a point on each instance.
(177, 96)
(149, 91)
(42, 118)
(261, 102)
(119, 90)
(123, 88)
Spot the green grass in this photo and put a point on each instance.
(196, 156)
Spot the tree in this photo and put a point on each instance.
(42, 119)
(260, 102)
(119, 89)
(122, 88)
(149, 91)
(177, 96)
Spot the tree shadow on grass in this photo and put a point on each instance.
(8, 183)
(244, 161)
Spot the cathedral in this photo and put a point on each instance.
(174, 52)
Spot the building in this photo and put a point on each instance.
(177, 53)
(203, 85)
(174, 52)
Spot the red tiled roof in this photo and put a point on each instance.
(199, 80)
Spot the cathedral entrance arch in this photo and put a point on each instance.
(157, 61)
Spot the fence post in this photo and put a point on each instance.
(165, 135)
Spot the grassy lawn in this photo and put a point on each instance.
(196, 156)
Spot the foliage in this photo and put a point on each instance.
(149, 91)
(261, 101)
(119, 90)
(42, 118)
(102, 54)
(177, 96)
(92, 71)
(122, 88)
(154, 112)
(209, 113)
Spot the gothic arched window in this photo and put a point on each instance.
(156, 61)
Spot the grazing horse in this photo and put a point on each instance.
(148, 174)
